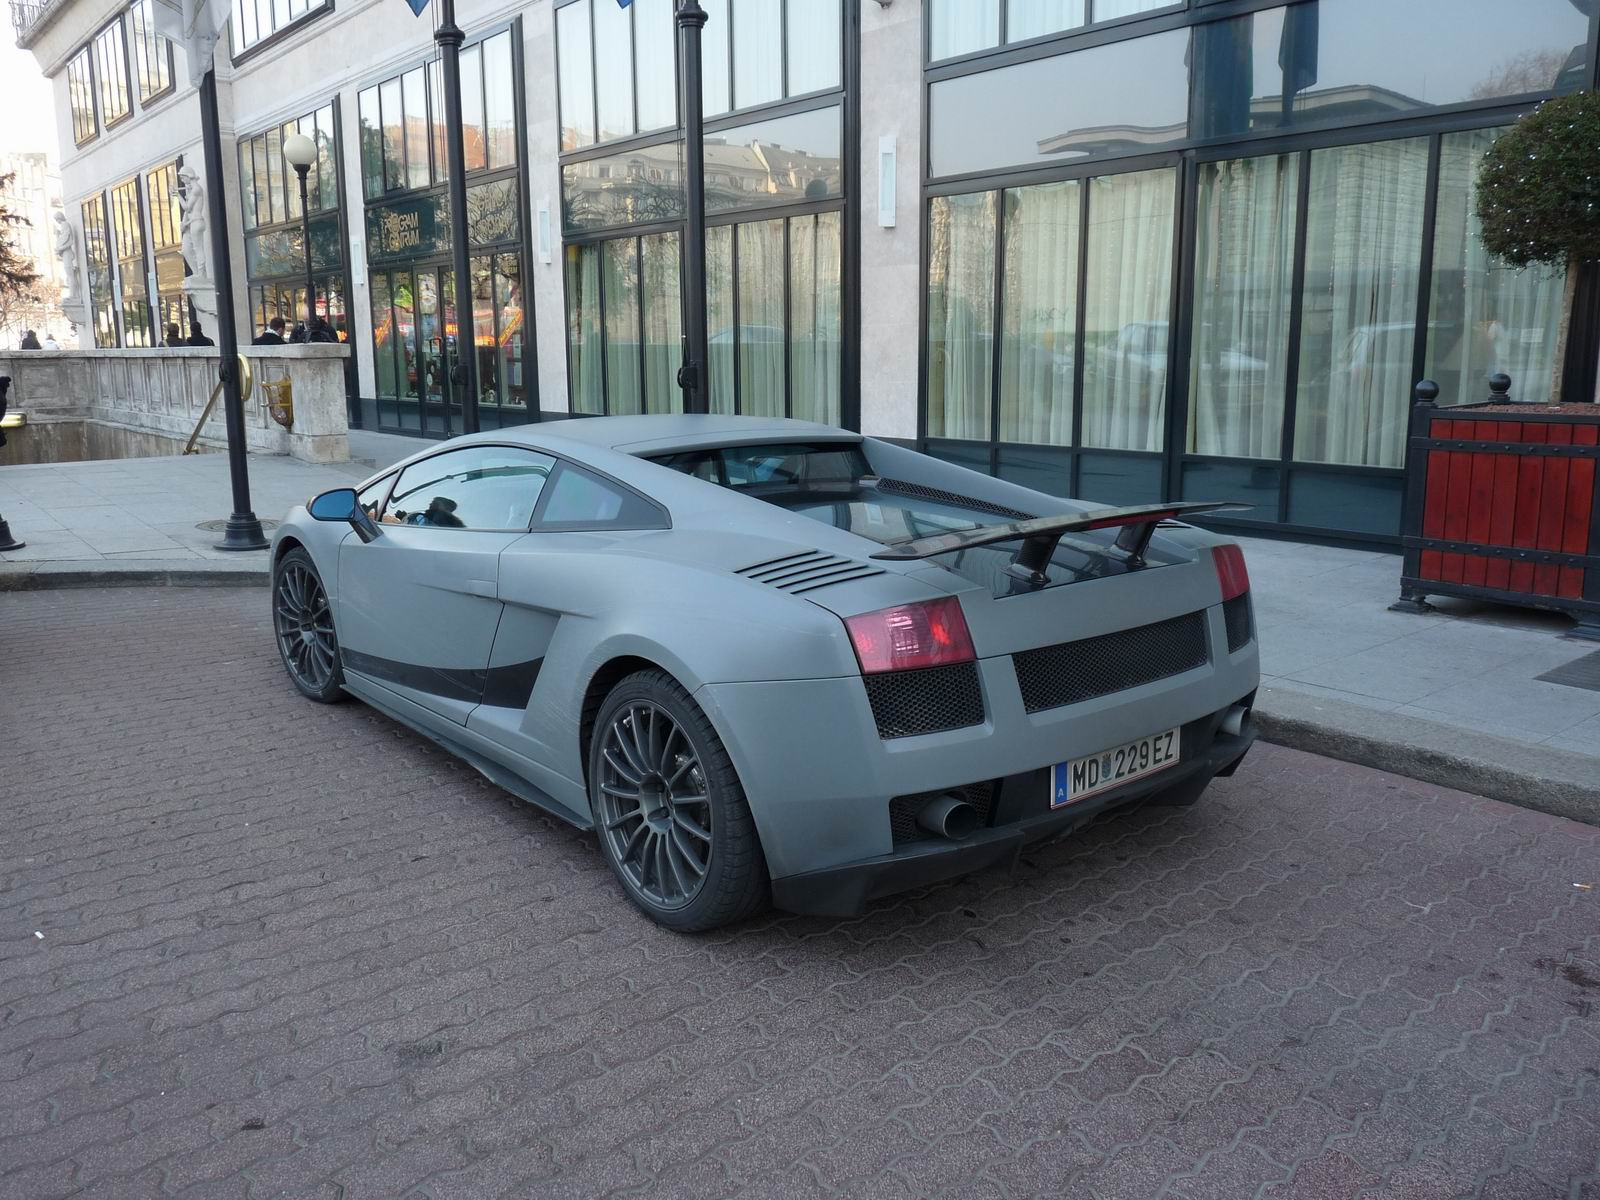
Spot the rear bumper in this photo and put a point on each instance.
(1021, 815)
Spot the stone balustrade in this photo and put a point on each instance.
(146, 399)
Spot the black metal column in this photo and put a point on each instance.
(694, 376)
(243, 531)
(305, 232)
(449, 37)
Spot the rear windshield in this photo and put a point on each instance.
(780, 465)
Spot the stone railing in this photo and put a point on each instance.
(163, 392)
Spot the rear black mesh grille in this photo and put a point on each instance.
(933, 699)
(903, 810)
(923, 492)
(1237, 617)
(1072, 672)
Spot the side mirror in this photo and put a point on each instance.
(341, 504)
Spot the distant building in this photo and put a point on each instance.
(1129, 249)
(34, 193)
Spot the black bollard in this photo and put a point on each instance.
(7, 542)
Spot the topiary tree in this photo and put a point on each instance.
(1538, 196)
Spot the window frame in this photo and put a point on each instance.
(262, 45)
(108, 124)
(85, 55)
(444, 452)
(156, 43)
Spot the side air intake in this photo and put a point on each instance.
(807, 571)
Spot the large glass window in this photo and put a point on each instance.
(1064, 108)
(479, 487)
(1484, 317)
(631, 187)
(1039, 313)
(624, 325)
(815, 330)
(966, 26)
(97, 263)
(80, 97)
(254, 21)
(111, 73)
(960, 314)
(128, 243)
(757, 52)
(152, 55)
(1358, 327)
(161, 186)
(1360, 60)
(270, 189)
(575, 69)
(782, 161)
(1243, 305)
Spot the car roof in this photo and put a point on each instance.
(668, 432)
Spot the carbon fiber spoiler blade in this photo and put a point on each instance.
(1039, 535)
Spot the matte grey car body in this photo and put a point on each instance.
(502, 644)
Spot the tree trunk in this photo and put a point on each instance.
(1569, 295)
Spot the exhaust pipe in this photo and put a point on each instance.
(949, 816)
(1233, 722)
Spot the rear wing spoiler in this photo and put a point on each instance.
(1039, 535)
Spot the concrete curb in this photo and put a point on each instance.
(25, 576)
(1560, 782)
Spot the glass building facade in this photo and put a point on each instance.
(778, 160)
(1203, 253)
(413, 291)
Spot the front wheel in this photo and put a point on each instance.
(302, 619)
(669, 810)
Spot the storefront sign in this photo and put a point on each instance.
(407, 229)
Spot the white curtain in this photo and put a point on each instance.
(1484, 317)
(814, 317)
(761, 323)
(1363, 256)
(962, 26)
(1035, 18)
(663, 323)
(960, 314)
(719, 316)
(621, 283)
(1126, 318)
(1243, 297)
(583, 329)
(1039, 313)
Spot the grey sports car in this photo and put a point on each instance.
(772, 659)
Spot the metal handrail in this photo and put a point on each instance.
(247, 383)
(25, 14)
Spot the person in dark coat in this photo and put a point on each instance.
(174, 335)
(272, 335)
(30, 341)
(197, 336)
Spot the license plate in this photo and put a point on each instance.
(1079, 778)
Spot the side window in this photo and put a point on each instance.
(371, 497)
(478, 487)
(578, 498)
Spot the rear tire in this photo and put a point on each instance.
(302, 624)
(669, 810)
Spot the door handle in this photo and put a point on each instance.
(483, 587)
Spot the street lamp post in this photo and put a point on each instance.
(694, 376)
(300, 152)
(449, 37)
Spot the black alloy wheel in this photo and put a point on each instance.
(303, 621)
(671, 816)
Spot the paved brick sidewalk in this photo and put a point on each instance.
(291, 950)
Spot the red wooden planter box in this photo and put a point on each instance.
(1504, 506)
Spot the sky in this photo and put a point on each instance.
(25, 100)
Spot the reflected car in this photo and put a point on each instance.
(769, 660)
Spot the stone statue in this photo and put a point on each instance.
(67, 255)
(192, 221)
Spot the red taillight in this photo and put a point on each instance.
(1231, 573)
(932, 634)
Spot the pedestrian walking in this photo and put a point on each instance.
(30, 341)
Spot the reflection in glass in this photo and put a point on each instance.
(416, 128)
(714, 81)
(276, 210)
(327, 160)
(761, 323)
(1359, 60)
(247, 183)
(1110, 10)
(655, 42)
(781, 161)
(633, 187)
(720, 316)
(476, 487)
(813, 46)
(814, 329)
(1035, 18)
(575, 76)
(961, 26)
(1065, 108)
(1243, 297)
(1363, 253)
(394, 149)
(474, 138)
(620, 287)
(1484, 317)
(1126, 309)
(383, 336)
(757, 52)
(1039, 313)
(960, 314)
(613, 56)
(441, 139)
(584, 370)
(663, 323)
(500, 106)
(508, 309)
(371, 144)
(487, 346)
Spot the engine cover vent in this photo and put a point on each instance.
(807, 570)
